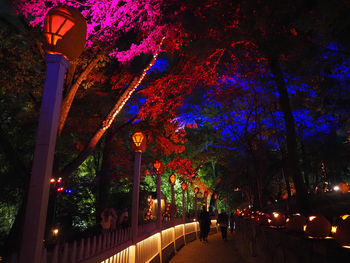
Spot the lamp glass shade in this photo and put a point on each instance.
(196, 190)
(138, 142)
(172, 179)
(184, 186)
(65, 32)
(157, 165)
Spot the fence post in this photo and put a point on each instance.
(74, 252)
(65, 253)
(87, 249)
(55, 254)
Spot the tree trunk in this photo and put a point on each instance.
(292, 154)
(68, 100)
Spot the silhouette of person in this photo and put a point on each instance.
(223, 223)
(204, 224)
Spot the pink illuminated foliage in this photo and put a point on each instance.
(127, 28)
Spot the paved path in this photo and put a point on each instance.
(215, 251)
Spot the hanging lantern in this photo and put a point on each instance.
(196, 190)
(276, 220)
(158, 166)
(317, 226)
(215, 196)
(172, 179)
(206, 194)
(184, 186)
(295, 223)
(65, 32)
(138, 142)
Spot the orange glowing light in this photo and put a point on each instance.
(215, 196)
(138, 138)
(196, 190)
(311, 218)
(184, 186)
(172, 179)
(52, 180)
(334, 229)
(157, 164)
(344, 216)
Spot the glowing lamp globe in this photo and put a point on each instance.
(317, 226)
(343, 187)
(276, 220)
(196, 190)
(65, 32)
(206, 194)
(215, 196)
(342, 233)
(158, 166)
(138, 142)
(172, 179)
(184, 186)
(295, 223)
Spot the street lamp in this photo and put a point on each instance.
(172, 180)
(184, 188)
(196, 191)
(206, 198)
(158, 167)
(138, 145)
(65, 35)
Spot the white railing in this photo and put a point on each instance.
(116, 247)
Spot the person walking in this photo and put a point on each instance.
(223, 223)
(106, 219)
(204, 224)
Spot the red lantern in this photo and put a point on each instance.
(342, 233)
(158, 166)
(317, 227)
(215, 196)
(184, 186)
(172, 179)
(196, 190)
(276, 220)
(295, 223)
(138, 142)
(206, 194)
(65, 32)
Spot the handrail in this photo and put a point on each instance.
(117, 247)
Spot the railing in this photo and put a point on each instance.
(117, 247)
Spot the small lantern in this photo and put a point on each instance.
(317, 227)
(138, 142)
(206, 194)
(341, 233)
(295, 223)
(215, 196)
(196, 190)
(172, 179)
(276, 220)
(184, 186)
(158, 166)
(65, 32)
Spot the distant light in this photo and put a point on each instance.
(60, 189)
(52, 180)
(275, 214)
(334, 229)
(55, 231)
(345, 217)
(311, 218)
(336, 188)
(69, 191)
(304, 227)
(59, 179)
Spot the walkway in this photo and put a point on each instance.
(215, 251)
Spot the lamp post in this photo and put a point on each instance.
(196, 191)
(172, 180)
(158, 167)
(138, 145)
(206, 198)
(65, 35)
(184, 188)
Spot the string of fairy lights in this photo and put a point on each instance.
(133, 86)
